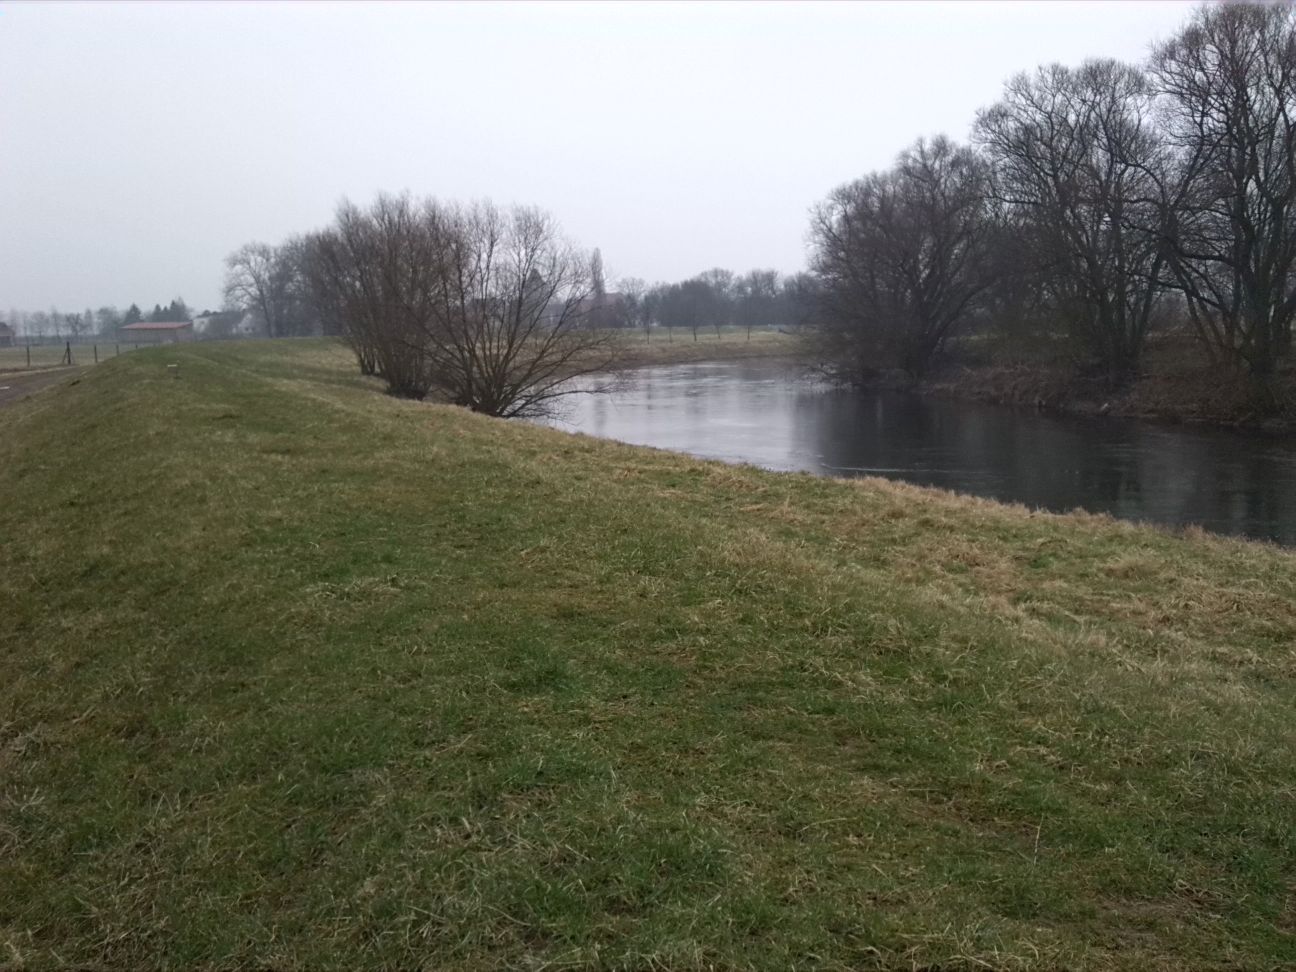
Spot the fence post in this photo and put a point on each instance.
(118, 347)
(28, 354)
(96, 352)
(67, 354)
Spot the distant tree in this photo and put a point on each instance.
(756, 299)
(40, 324)
(268, 282)
(133, 315)
(717, 302)
(158, 314)
(900, 258)
(1228, 86)
(477, 305)
(799, 301)
(302, 317)
(638, 304)
(685, 304)
(107, 320)
(659, 299)
(78, 324)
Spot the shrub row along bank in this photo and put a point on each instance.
(1176, 385)
(294, 674)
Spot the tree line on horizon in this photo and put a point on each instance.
(53, 324)
(1094, 206)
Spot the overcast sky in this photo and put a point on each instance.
(140, 143)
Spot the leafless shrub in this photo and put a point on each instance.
(476, 305)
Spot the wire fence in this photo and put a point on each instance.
(36, 357)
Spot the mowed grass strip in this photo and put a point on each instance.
(297, 675)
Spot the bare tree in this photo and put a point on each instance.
(478, 306)
(799, 300)
(375, 274)
(507, 337)
(77, 325)
(687, 304)
(639, 304)
(108, 319)
(900, 257)
(1076, 153)
(659, 297)
(717, 300)
(756, 299)
(1228, 83)
(268, 282)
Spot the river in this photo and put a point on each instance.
(768, 414)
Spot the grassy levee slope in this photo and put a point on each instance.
(296, 675)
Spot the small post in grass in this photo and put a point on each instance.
(96, 352)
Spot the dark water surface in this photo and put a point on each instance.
(767, 414)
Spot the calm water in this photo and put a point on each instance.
(764, 413)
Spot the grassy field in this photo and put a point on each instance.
(295, 675)
(21, 358)
(663, 347)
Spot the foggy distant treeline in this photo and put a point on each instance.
(1095, 205)
(273, 284)
(758, 299)
(55, 325)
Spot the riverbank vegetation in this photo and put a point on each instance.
(1101, 209)
(293, 674)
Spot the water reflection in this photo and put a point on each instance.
(764, 413)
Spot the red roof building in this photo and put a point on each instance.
(157, 332)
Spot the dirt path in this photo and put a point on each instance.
(15, 386)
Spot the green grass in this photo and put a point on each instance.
(675, 346)
(296, 675)
(21, 358)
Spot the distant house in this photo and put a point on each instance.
(157, 332)
(225, 324)
(6, 335)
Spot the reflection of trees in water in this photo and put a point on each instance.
(1224, 482)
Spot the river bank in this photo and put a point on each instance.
(1176, 386)
(297, 674)
(676, 346)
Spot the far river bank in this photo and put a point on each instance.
(1176, 388)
